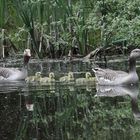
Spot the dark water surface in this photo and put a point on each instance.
(68, 111)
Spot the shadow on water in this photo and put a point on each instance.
(66, 111)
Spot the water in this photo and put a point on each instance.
(68, 111)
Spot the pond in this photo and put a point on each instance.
(68, 111)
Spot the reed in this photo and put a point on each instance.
(24, 8)
(59, 25)
(2, 12)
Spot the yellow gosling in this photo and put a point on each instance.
(35, 78)
(68, 78)
(88, 79)
(49, 79)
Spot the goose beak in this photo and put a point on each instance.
(93, 69)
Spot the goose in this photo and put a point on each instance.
(88, 79)
(2, 78)
(49, 79)
(68, 78)
(113, 77)
(35, 78)
(13, 74)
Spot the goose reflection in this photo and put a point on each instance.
(29, 103)
(113, 91)
(11, 86)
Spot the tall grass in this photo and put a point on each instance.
(24, 9)
(2, 13)
(59, 25)
(2, 17)
(54, 25)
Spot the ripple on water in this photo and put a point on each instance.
(6, 87)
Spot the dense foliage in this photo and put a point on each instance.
(53, 27)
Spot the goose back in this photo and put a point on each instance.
(15, 73)
(12, 73)
(112, 77)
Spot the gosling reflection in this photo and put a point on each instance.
(113, 91)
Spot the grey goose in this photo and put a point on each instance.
(113, 77)
(13, 74)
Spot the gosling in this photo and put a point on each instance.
(88, 79)
(49, 79)
(35, 78)
(68, 78)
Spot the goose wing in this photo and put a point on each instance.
(108, 74)
(7, 72)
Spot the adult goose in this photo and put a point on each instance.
(112, 77)
(13, 74)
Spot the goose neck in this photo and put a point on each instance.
(132, 64)
(26, 60)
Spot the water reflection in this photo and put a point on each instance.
(113, 91)
(11, 86)
(71, 112)
(66, 111)
(52, 113)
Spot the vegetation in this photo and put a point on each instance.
(51, 28)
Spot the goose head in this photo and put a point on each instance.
(88, 75)
(27, 55)
(51, 75)
(70, 75)
(135, 54)
(38, 74)
(69, 53)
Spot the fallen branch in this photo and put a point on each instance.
(92, 54)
